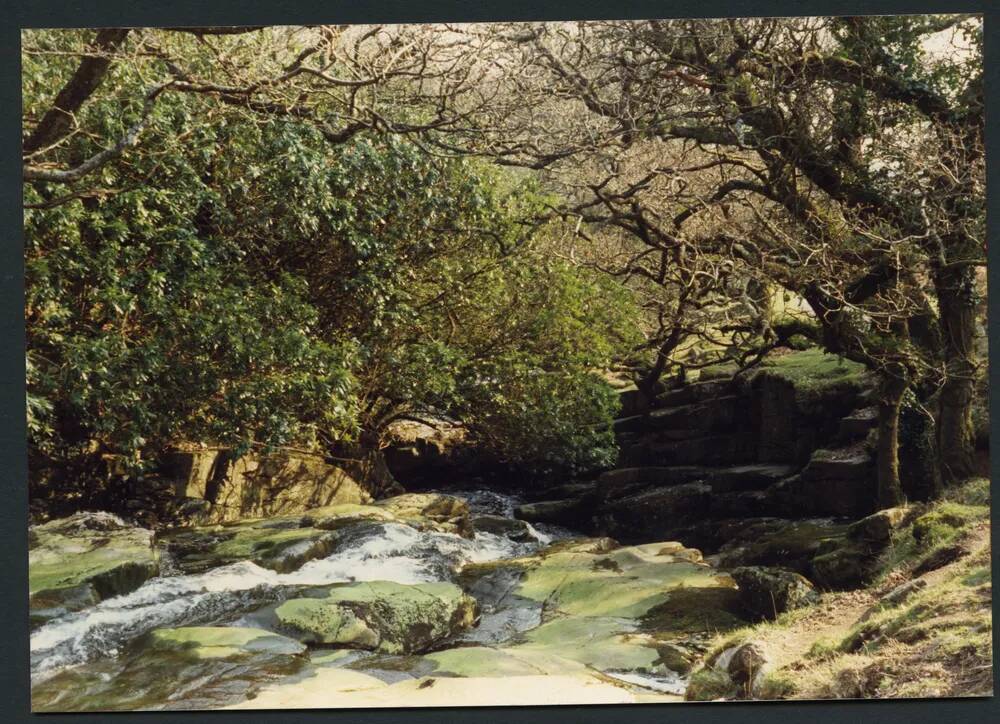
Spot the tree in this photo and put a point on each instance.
(845, 158)
(243, 274)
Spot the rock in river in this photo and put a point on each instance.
(78, 561)
(430, 511)
(380, 615)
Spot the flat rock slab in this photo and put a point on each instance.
(175, 668)
(345, 688)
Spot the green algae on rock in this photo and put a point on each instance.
(626, 582)
(179, 668)
(221, 642)
(282, 544)
(78, 561)
(380, 615)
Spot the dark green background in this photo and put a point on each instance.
(16, 14)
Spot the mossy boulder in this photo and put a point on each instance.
(332, 517)
(516, 530)
(282, 544)
(877, 529)
(78, 561)
(777, 542)
(767, 592)
(625, 582)
(843, 567)
(379, 615)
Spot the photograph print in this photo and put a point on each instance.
(457, 365)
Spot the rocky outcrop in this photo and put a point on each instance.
(515, 530)
(379, 616)
(705, 462)
(78, 561)
(254, 486)
(281, 545)
(850, 562)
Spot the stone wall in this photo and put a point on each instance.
(253, 486)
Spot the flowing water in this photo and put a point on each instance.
(226, 594)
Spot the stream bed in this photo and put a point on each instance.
(424, 600)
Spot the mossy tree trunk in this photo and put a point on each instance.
(890, 490)
(956, 289)
(919, 462)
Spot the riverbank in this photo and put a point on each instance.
(921, 628)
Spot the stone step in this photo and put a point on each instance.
(713, 450)
(858, 424)
(736, 479)
(567, 511)
(754, 477)
(654, 514)
(582, 489)
(621, 481)
(633, 402)
(718, 413)
(848, 462)
(694, 392)
(744, 504)
(852, 496)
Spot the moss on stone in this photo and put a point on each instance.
(380, 615)
(690, 609)
(814, 370)
(710, 684)
(78, 561)
(605, 644)
(631, 581)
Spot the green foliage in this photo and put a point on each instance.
(240, 280)
(975, 491)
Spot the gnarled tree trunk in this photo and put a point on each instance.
(956, 289)
(890, 490)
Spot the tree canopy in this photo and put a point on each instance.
(299, 235)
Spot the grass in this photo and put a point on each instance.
(776, 685)
(814, 370)
(754, 631)
(942, 524)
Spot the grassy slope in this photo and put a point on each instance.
(935, 643)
